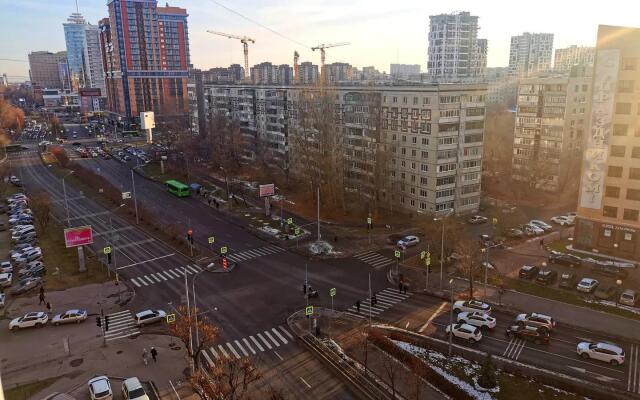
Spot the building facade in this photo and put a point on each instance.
(149, 64)
(308, 73)
(415, 147)
(404, 71)
(455, 53)
(44, 68)
(268, 74)
(530, 53)
(74, 37)
(94, 73)
(338, 72)
(608, 220)
(565, 59)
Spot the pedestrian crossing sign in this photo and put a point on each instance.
(494, 221)
(211, 240)
(308, 310)
(297, 231)
(332, 292)
(397, 253)
(171, 318)
(369, 220)
(289, 221)
(107, 250)
(223, 250)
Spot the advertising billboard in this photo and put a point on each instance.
(267, 190)
(78, 236)
(147, 120)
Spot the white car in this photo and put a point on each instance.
(31, 319)
(147, 317)
(477, 219)
(587, 285)
(2, 299)
(533, 230)
(470, 306)
(477, 318)
(601, 351)
(541, 224)
(100, 388)
(132, 390)
(562, 220)
(69, 316)
(536, 320)
(408, 241)
(5, 279)
(6, 267)
(465, 331)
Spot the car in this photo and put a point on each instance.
(565, 259)
(6, 279)
(528, 271)
(530, 333)
(568, 280)
(601, 351)
(25, 285)
(100, 388)
(606, 292)
(127, 158)
(2, 299)
(408, 241)
(465, 331)
(541, 224)
(471, 305)
(562, 220)
(147, 317)
(33, 269)
(532, 230)
(537, 320)
(546, 276)
(477, 318)
(19, 248)
(32, 319)
(628, 297)
(5, 267)
(514, 233)
(69, 316)
(477, 219)
(587, 285)
(132, 390)
(394, 238)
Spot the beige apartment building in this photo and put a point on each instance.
(609, 205)
(567, 58)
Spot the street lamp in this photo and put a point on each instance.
(451, 316)
(112, 235)
(446, 214)
(64, 191)
(619, 283)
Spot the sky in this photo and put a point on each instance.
(380, 32)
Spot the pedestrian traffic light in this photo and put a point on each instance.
(225, 263)
(99, 321)
(106, 323)
(190, 235)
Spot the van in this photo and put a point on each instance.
(132, 390)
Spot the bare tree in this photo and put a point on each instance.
(468, 250)
(40, 203)
(228, 379)
(183, 329)
(391, 370)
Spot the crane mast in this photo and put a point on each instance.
(245, 46)
(322, 48)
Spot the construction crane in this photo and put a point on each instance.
(296, 76)
(245, 44)
(321, 47)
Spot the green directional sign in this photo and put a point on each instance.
(308, 310)
(223, 250)
(211, 240)
(397, 253)
(107, 250)
(289, 221)
(297, 231)
(332, 292)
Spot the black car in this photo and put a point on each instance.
(568, 280)
(528, 271)
(565, 259)
(530, 333)
(547, 276)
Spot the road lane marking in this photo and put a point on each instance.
(135, 282)
(256, 343)
(223, 351)
(241, 348)
(264, 341)
(215, 353)
(279, 335)
(305, 382)
(432, 317)
(272, 339)
(146, 261)
(209, 360)
(235, 353)
(246, 343)
(279, 356)
(286, 331)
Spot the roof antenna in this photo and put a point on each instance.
(77, 11)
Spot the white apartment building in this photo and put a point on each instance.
(93, 59)
(455, 53)
(568, 57)
(530, 53)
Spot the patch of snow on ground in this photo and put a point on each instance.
(609, 303)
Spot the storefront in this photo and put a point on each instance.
(608, 239)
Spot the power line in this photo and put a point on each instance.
(261, 25)
(12, 59)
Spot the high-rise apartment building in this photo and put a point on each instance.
(608, 218)
(570, 56)
(45, 68)
(150, 60)
(74, 37)
(550, 129)
(338, 72)
(268, 74)
(404, 71)
(308, 73)
(530, 53)
(455, 53)
(94, 73)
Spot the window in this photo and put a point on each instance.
(614, 172)
(620, 130)
(415, 100)
(449, 113)
(623, 108)
(633, 194)
(470, 189)
(609, 211)
(606, 233)
(612, 191)
(625, 86)
(425, 141)
(424, 167)
(471, 176)
(475, 125)
(447, 180)
(630, 215)
(423, 193)
(629, 64)
(447, 167)
(423, 181)
(635, 152)
(634, 173)
(424, 155)
(445, 193)
(449, 99)
(426, 100)
(471, 164)
(414, 140)
(444, 154)
(617, 151)
(477, 137)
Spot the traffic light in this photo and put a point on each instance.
(190, 236)
(225, 263)
(99, 321)
(106, 323)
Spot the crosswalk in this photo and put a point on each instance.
(121, 325)
(514, 348)
(153, 278)
(374, 259)
(384, 300)
(254, 253)
(260, 342)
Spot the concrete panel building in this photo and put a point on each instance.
(565, 59)
(44, 69)
(530, 53)
(308, 73)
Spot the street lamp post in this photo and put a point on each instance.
(451, 316)
(442, 244)
(135, 198)
(619, 283)
(64, 191)
(112, 237)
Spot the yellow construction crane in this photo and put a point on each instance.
(245, 44)
(296, 76)
(321, 47)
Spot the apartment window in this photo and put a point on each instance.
(414, 140)
(423, 206)
(403, 163)
(404, 100)
(384, 99)
(447, 180)
(426, 100)
(614, 172)
(393, 137)
(633, 194)
(635, 152)
(423, 193)
(606, 233)
(623, 108)
(611, 212)
(395, 99)
(425, 114)
(413, 165)
(424, 167)
(415, 100)
(447, 167)
(617, 151)
(404, 138)
(629, 64)
(471, 164)
(413, 153)
(634, 173)
(449, 99)
(470, 188)
(625, 86)
(620, 130)
(423, 181)
(424, 155)
(425, 141)
(403, 151)
(475, 125)
(412, 191)
(473, 138)
(412, 202)
(612, 191)
(445, 193)
(630, 215)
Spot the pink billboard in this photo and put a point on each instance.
(78, 236)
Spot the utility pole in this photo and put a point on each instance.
(451, 316)
(135, 198)
(370, 300)
(318, 198)
(186, 290)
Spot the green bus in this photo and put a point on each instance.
(177, 188)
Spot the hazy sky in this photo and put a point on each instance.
(380, 31)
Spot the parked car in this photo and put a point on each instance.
(408, 241)
(606, 352)
(532, 230)
(6, 267)
(32, 319)
(514, 233)
(69, 316)
(465, 331)
(33, 269)
(587, 285)
(147, 317)
(562, 220)
(470, 306)
(537, 320)
(530, 333)
(477, 219)
(477, 318)
(565, 259)
(606, 292)
(6, 279)
(528, 271)
(132, 390)
(546, 276)
(568, 280)
(541, 224)
(629, 297)
(100, 388)
(26, 285)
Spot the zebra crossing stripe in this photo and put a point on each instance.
(265, 342)
(175, 273)
(209, 360)
(246, 343)
(156, 277)
(145, 277)
(279, 336)
(214, 352)
(241, 348)
(167, 274)
(256, 343)
(223, 351)
(190, 268)
(164, 278)
(272, 339)
(286, 332)
(135, 282)
(235, 353)
(119, 313)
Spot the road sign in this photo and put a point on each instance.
(223, 250)
(211, 240)
(107, 250)
(267, 190)
(308, 310)
(369, 220)
(171, 318)
(332, 292)
(422, 254)
(126, 195)
(427, 261)
(289, 221)
(79, 236)
(297, 231)
(494, 221)
(397, 253)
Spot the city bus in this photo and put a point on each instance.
(177, 188)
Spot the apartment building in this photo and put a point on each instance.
(550, 129)
(530, 53)
(44, 69)
(338, 72)
(92, 57)
(268, 74)
(565, 59)
(608, 219)
(404, 71)
(308, 73)
(418, 147)
(502, 88)
(455, 53)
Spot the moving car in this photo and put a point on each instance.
(546, 276)
(477, 219)
(70, 316)
(587, 285)
(565, 259)
(530, 333)
(568, 280)
(32, 319)
(601, 351)
(532, 230)
(132, 390)
(465, 331)
(539, 321)
(541, 224)
(408, 241)
(514, 233)
(629, 297)
(528, 271)
(147, 317)
(477, 318)
(470, 306)
(562, 220)
(606, 292)
(100, 388)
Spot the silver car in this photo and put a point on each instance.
(70, 316)
(147, 317)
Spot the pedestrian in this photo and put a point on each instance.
(48, 308)
(41, 297)
(154, 354)
(145, 356)
(209, 201)
(358, 306)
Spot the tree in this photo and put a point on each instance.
(391, 369)
(228, 379)
(55, 126)
(11, 118)
(468, 249)
(61, 155)
(41, 205)
(487, 378)
(184, 327)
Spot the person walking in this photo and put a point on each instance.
(154, 354)
(400, 287)
(42, 300)
(145, 356)
(48, 308)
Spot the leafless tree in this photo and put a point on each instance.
(40, 203)
(229, 379)
(468, 250)
(391, 370)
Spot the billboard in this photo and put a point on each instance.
(78, 236)
(147, 120)
(267, 190)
